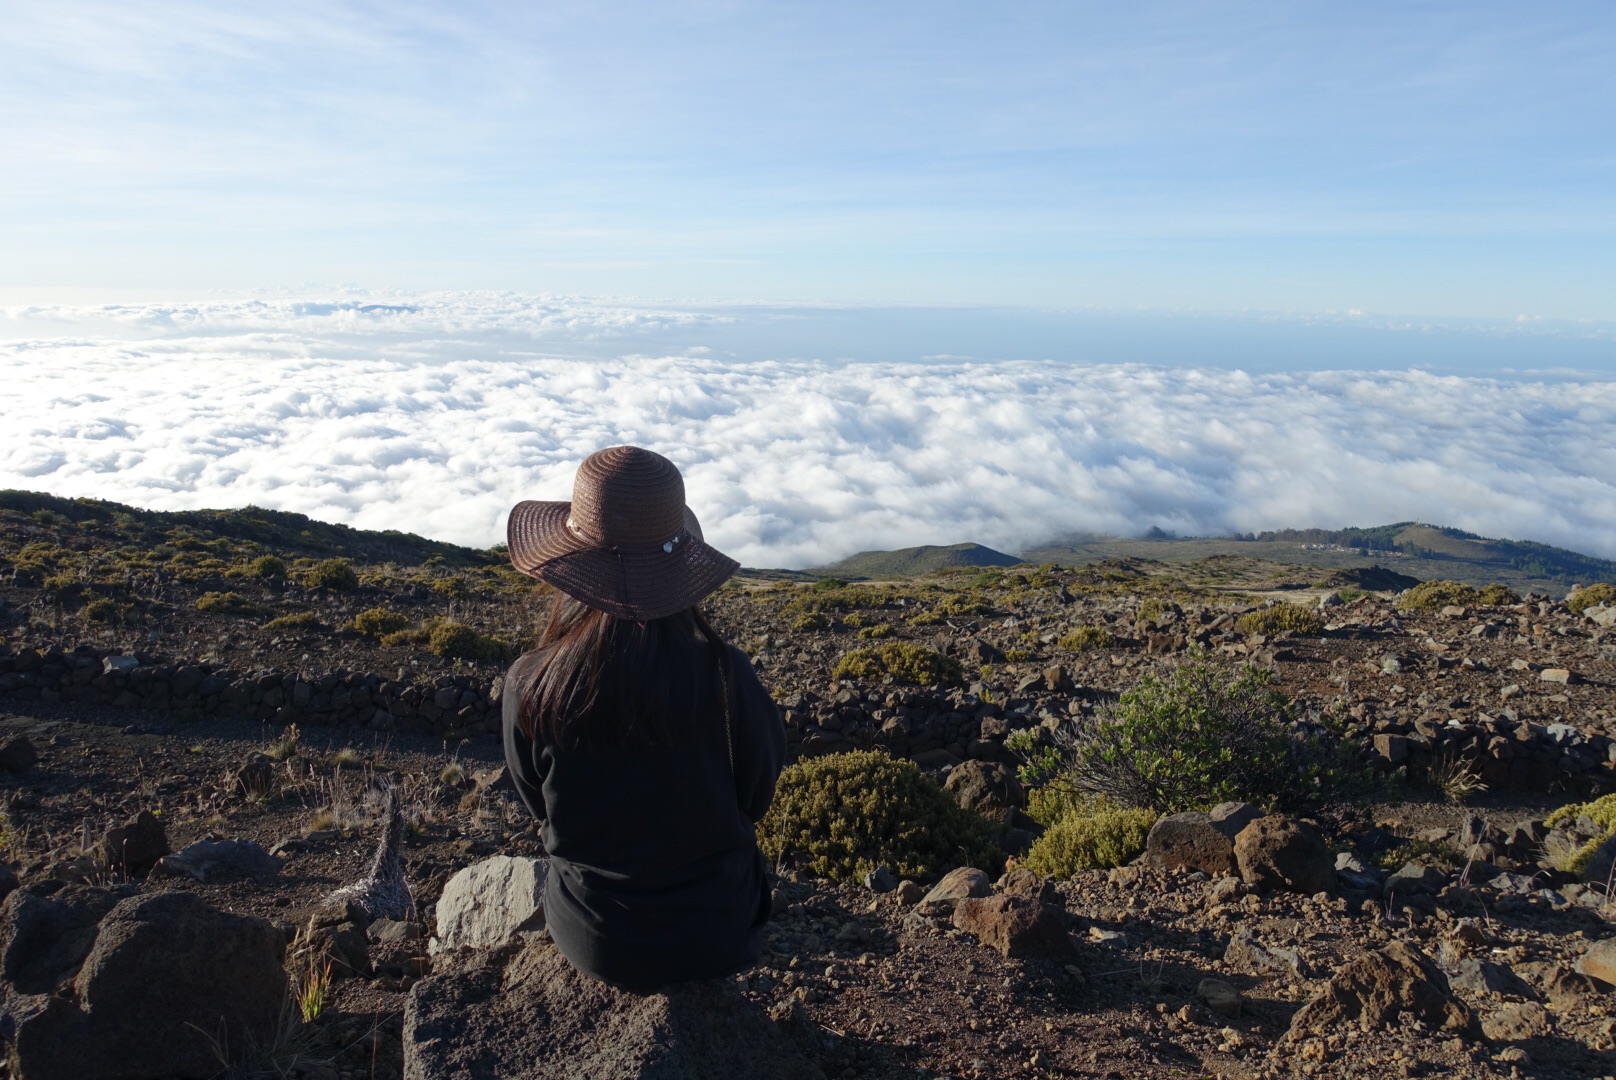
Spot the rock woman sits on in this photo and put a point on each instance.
(644, 744)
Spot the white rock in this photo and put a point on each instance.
(489, 903)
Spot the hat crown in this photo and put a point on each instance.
(628, 495)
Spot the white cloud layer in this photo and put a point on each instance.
(435, 417)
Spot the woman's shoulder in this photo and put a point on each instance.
(524, 667)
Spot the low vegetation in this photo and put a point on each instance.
(230, 603)
(375, 622)
(1087, 839)
(337, 575)
(1281, 617)
(1592, 596)
(1085, 637)
(902, 661)
(1601, 813)
(842, 815)
(1194, 737)
(1436, 595)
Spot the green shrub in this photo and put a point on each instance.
(812, 621)
(1153, 608)
(962, 606)
(1592, 596)
(879, 630)
(230, 603)
(1436, 853)
(902, 660)
(1194, 737)
(1085, 637)
(457, 641)
(301, 620)
(1053, 801)
(405, 637)
(337, 575)
(375, 622)
(1040, 762)
(1086, 841)
(1015, 654)
(1272, 620)
(845, 814)
(453, 587)
(105, 610)
(1602, 812)
(267, 566)
(1436, 595)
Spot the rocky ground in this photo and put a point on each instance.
(1478, 721)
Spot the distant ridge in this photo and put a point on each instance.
(907, 562)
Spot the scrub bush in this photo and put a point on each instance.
(843, 815)
(1194, 737)
(230, 603)
(301, 620)
(337, 575)
(902, 660)
(457, 641)
(1592, 596)
(1271, 620)
(267, 566)
(376, 622)
(1085, 637)
(1602, 813)
(1088, 840)
(1436, 595)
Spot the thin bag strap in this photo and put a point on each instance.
(729, 706)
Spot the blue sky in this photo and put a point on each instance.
(1454, 159)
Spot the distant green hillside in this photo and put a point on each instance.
(284, 533)
(1433, 542)
(907, 562)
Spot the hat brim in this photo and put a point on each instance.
(637, 585)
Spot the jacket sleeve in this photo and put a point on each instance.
(760, 740)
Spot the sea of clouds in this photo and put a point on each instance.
(435, 414)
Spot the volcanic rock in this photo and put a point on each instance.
(1018, 926)
(133, 849)
(988, 788)
(956, 885)
(522, 1012)
(1375, 989)
(489, 903)
(1281, 853)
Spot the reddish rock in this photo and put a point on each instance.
(1018, 926)
(1374, 990)
(1281, 853)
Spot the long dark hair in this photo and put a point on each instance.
(605, 681)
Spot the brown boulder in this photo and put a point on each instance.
(1281, 853)
(166, 984)
(1375, 989)
(1190, 842)
(1018, 926)
(133, 849)
(989, 788)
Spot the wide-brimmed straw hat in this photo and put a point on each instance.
(626, 544)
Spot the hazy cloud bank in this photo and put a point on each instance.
(435, 420)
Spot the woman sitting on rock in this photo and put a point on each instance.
(643, 743)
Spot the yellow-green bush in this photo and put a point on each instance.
(1051, 802)
(267, 566)
(1085, 637)
(1153, 608)
(376, 622)
(230, 603)
(1592, 596)
(457, 641)
(1436, 595)
(300, 620)
(879, 630)
(1089, 841)
(812, 621)
(1272, 620)
(903, 660)
(843, 815)
(1602, 812)
(337, 575)
(107, 610)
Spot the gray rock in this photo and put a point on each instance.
(1516, 1020)
(1599, 962)
(208, 861)
(881, 880)
(157, 984)
(521, 1012)
(489, 903)
(956, 885)
(394, 931)
(1221, 997)
(1245, 953)
(1417, 878)
(1230, 817)
(1479, 978)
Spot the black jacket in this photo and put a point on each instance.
(655, 874)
